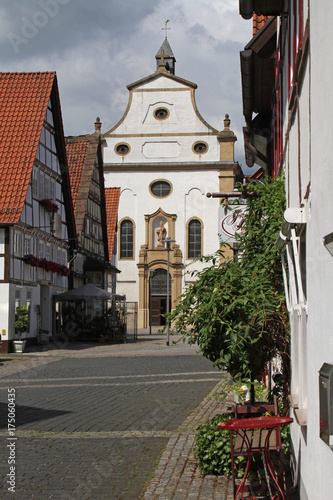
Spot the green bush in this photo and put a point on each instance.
(212, 448)
(22, 320)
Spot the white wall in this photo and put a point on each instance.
(4, 310)
(168, 144)
(312, 340)
(188, 199)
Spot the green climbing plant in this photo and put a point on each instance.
(235, 309)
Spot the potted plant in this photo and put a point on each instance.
(21, 325)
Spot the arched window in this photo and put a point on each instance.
(126, 239)
(159, 282)
(194, 239)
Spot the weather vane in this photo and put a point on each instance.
(166, 28)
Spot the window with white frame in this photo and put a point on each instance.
(27, 245)
(17, 243)
(35, 183)
(41, 185)
(48, 250)
(47, 187)
(64, 257)
(17, 299)
(29, 300)
(52, 190)
(40, 249)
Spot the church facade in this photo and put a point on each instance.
(165, 158)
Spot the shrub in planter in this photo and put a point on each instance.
(212, 448)
(22, 320)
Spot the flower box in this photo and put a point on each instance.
(48, 265)
(49, 206)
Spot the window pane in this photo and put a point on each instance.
(159, 282)
(35, 183)
(126, 240)
(160, 188)
(194, 239)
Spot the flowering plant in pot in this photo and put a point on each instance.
(49, 205)
(21, 325)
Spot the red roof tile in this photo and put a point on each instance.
(112, 196)
(258, 174)
(258, 22)
(76, 157)
(23, 103)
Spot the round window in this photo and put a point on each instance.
(200, 148)
(160, 189)
(122, 149)
(161, 113)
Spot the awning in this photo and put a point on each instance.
(260, 7)
(86, 292)
(91, 264)
(258, 70)
(256, 141)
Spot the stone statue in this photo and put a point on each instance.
(161, 234)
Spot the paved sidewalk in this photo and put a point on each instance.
(177, 476)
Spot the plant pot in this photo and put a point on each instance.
(19, 345)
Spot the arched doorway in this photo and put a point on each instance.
(158, 292)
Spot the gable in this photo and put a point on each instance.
(76, 156)
(23, 104)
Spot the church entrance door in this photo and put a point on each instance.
(158, 308)
(159, 297)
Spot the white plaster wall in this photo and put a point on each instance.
(151, 95)
(293, 176)
(188, 199)
(4, 310)
(183, 119)
(315, 458)
(304, 117)
(166, 149)
(163, 142)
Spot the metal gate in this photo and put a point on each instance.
(131, 321)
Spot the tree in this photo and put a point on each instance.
(235, 309)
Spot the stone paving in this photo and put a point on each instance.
(177, 475)
(76, 451)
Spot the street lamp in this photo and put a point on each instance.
(151, 274)
(167, 243)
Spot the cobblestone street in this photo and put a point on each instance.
(93, 423)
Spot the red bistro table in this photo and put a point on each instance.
(240, 426)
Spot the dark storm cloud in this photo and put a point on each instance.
(97, 47)
(46, 26)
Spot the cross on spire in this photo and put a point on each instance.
(165, 29)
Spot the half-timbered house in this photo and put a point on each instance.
(91, 264)
(37, 227)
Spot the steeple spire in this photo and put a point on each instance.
(164, 57)
(165, 29)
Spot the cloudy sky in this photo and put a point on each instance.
(97, 47)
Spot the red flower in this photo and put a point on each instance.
(48, 265)
(49, 205)
(31, 259)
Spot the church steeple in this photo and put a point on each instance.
(164, 57)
